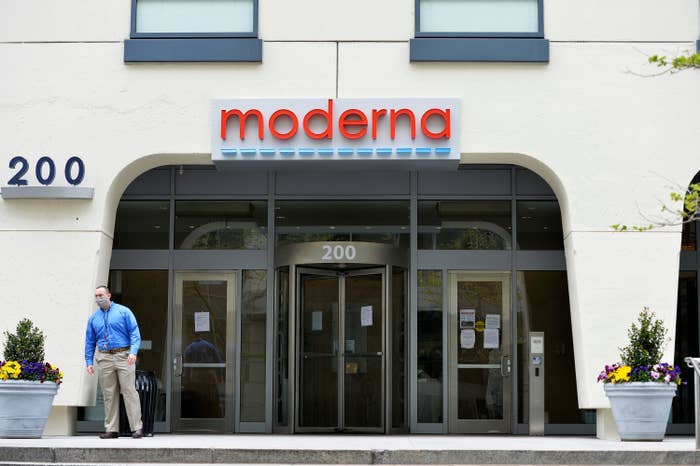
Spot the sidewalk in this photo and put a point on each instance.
(346, 449)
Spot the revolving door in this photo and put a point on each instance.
(341, 338)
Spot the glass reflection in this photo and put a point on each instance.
(465, 225)
(253, 337)
(686, 345)
(142, 225)
(543, 305)
(429, 346)
(372, 221)
(539, 225)
(221, 225)
(203, 380)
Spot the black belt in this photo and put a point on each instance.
(116, 350)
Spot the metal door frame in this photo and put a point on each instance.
(225, 424)
(340, 354)
(472, 426)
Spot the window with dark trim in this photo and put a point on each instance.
(193, 30)
(479, 30)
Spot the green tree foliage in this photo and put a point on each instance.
(685, 209)
(646, 340)
(684, 61)
(27, 344)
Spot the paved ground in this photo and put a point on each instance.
(346, 449)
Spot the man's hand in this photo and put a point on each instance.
(91, 370)
(132, 359)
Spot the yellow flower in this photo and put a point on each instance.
(621, 374)
(10, 370)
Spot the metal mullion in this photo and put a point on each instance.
(341, 353)
(220, 197)
(169, 399)
(270, 332)
(345, 197)
(513, 421)
(236, 342)
(412, 321)
(447, 376)
(292, 353)
(387, 348)
(465, 197)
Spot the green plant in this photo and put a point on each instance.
(646, 341)
(27, 344)
(641, 359)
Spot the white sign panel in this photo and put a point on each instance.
(467, 338)
(366, 316)
(316, 321)
(335, 129)
(536, 344)
(493, 320)
(201, 321)
(491, 338)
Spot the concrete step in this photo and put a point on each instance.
(140, 455)
(346, 450)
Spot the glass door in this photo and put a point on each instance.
(363, 356)
(318, 335)
(203, 351)
(480, 355)
(341, 364)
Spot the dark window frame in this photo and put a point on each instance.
(466, 46)
(193, 46)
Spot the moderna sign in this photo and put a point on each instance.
(335, 129)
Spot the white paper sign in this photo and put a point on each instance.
(490, 338)
(201, 321)
(536, 344)
(493, 320)
(467, 317)
(316, 321)
(146, 345)
(349, 346)
(366, 316)
(467, 338)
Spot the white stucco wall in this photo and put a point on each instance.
(605, 139)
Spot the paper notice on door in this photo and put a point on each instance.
(349, 346)
(467, 338)
(493, 320)
(316, 321)
(366, 316)
(201, 321)
(467, 317)
(491, 338)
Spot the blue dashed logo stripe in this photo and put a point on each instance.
(342, 151)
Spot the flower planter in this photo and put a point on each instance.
(640, 409)
(25, 407)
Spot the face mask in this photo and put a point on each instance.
(102, 302)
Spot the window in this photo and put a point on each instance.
(193, 30)
(479, 30)
(480, 18)
(205, 18)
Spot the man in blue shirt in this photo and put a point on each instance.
(112, 331)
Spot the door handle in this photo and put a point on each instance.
(177, 365)
(505, 361)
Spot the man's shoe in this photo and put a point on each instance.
(138, 433)
(109, 435)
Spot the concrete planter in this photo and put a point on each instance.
(640, 409)
(25, 407)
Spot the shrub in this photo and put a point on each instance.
(27, 344)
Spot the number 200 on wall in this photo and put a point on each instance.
(45, 171)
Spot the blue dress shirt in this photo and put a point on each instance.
(114, 328)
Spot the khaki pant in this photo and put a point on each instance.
(114, 372)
